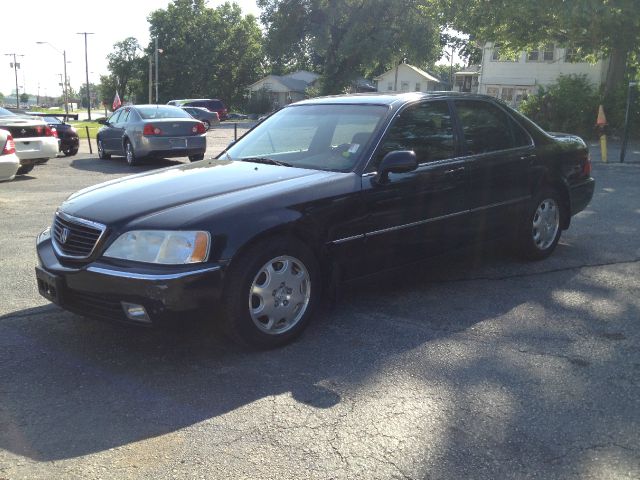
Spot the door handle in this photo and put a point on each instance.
(455, 172)
(531, 158)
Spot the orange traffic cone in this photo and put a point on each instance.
(601, 122)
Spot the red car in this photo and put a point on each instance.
(211, 104)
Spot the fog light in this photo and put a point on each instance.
(135, 312)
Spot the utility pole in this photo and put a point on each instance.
(156, 55)
(150, 80)
(15, 66)
(86, 61)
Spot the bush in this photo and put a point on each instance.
(570, 105)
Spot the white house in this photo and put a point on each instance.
(406, 78)
(284, 89)
(511, 79)
(467, 80)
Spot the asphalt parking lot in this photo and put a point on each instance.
(474, 366)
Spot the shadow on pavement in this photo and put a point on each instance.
(119, 165)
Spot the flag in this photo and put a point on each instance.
(116, 102)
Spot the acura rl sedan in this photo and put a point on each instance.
(156, 131)
(323, 191)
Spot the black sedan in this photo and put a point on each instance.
(322, 191)
(69, 141)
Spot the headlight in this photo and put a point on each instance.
(160, 246)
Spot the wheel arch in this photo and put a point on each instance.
(560, 185)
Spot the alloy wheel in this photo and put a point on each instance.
(546, 222)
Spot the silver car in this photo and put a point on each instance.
(157, 131)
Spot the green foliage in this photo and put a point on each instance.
(127, 68)
(1, 97)
(345, 39)
(570, 105)
(24, 97)
(207, 52)
(83, 93)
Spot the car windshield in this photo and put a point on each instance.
(161, 111)
(53, 120)
(4, 112)
(322, 137)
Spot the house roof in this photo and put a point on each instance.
(293, 84)
(419, 71)
(470, 70)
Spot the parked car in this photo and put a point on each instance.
(9, 161)
(205, 116)
(211, 104)
(67, 134)
(35, 141)
(322, 191)
(138, 131)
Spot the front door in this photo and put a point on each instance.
(419, 213)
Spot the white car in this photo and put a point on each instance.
(35, 141)
(9, 161)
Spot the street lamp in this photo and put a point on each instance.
(64, 84)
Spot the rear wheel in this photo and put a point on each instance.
(195, 158)
(271, 293)
(130, 153)
(540, 231)
(70, 152)
(24, 169)
(101, 153)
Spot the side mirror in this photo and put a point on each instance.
(231, 143)
(398, 161)
(102, 121)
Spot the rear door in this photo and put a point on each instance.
(499, 154)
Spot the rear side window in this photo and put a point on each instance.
(114, 118)
(486, 128)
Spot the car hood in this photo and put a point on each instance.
(136, 197)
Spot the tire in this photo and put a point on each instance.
(101, 153)
(195, 158)
(207, 125)
(540, 231)
(130, 153)
(24, 169)
(70, 152)
(271, 293)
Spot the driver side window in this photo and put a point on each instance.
(425, 128)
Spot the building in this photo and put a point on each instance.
(512, 79)
(467, 80)
(284, 89)
(407, 78)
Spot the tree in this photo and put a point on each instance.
(83, 94)
(609, 27)
(206, 52)
(343, 39)
(1, 97)
(24, 98)
(126, 66)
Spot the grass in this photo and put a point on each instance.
(82, 131)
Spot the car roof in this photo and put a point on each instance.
(382, 98)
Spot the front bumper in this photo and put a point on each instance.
(103, 290)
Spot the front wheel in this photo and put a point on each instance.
(102, 155)
(271, 293)
(70, 152)
(540, 231)
(24, 169)
(195, 158)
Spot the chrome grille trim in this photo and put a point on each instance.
(84, 236)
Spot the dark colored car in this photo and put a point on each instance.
(207, 117)
(322, 191)
(211, 104)
(67, 134)
(155, 131)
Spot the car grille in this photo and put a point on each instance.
(26, 132)
(75, 238)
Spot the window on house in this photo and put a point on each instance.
(418, 89)
(493, 91)
(507, 94)
(548, 54)
(499, 55)
(390, 86)
(573, 55)
(404, 86)
(533, 56)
